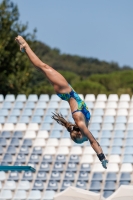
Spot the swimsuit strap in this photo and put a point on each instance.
(86, 113)
(76, 111)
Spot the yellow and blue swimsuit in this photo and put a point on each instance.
(81, 104)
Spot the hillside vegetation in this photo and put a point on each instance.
(86, 75)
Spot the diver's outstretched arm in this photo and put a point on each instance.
(94, 144)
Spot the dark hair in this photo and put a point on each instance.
(72, 128)
(60, 120)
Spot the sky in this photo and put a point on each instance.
(100, 29)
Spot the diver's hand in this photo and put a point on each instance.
(103, 160)
(104, 163)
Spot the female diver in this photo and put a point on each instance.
(78, 131)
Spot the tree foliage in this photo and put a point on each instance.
(14, 67)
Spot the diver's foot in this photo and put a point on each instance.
(22, 43)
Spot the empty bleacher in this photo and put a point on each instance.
(29, 136)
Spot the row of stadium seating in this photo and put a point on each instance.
(45, 97)
(29, 136)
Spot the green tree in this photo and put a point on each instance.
(89, 87)
(116, 82)
(14, 68)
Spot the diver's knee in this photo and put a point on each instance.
(45, 67)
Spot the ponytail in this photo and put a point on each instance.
(60, 120)
(72, 128)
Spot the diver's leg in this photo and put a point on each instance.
(57, 80)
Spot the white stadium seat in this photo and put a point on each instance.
(64, 104)
(10, 185)
(44, 97)
(100, 105)
(130, 119)
(122, 112)
(33, 127)
(65, 142)
(101, 97)
(49, 151)
(98, 168)
(21, 98)
(23, 185)
(39, 142)
(10, 97)
(54, 97)
(53, 104)
(30, 134)
(131, 112)
(107, 126)
(126, 167)
(87, 159)
(89, 150)
(62, 151)
(90, 97)
(33, 97)
(6, 195)
(113, 97)
(42, 134)
(120, 127)
(123, 105)
(110, 112)
(34, 195)
(52, 142)
(112, 167)
(111, 105)
(125, 97)
(131, 105)
(2, 176)
(114, 159)
(20, 193)
(8, 127)
(76, 151)
(20, 127)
